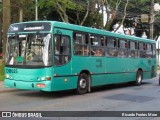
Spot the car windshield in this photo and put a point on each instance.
(29, 49)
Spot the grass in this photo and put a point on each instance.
(1, 70)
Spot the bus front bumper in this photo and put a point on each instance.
(28, 85)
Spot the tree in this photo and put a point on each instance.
(6, 23)
(111, 10)
(22, 10)
(130, 17)
(81, 9)
(0, 27)
(64, 7)
(97, 16)
(124, 16)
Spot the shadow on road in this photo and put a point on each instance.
(118, 86)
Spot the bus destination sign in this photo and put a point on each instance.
(34, 28)
(26, 27)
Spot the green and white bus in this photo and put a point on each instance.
(55, 56)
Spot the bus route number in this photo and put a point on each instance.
(11, 71)
(99, 63)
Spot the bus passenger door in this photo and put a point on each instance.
(62, 58)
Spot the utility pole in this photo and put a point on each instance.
(36, 10)
(102, 4)
(6, 23)
(152, 20)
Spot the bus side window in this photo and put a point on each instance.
(102, 41)
(81, 44)
(95, 40)
(122, 48)
(62, 52)
(148, 51)
(141, 52)
(97, 45)
(106, 41)
(132, 50)
(111, 44)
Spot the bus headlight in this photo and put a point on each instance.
(8, 76)
(48, 78)
(42, 78)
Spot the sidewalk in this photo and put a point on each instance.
(3, 89)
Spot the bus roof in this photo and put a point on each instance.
(90, 30)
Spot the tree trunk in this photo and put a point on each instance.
(20, 14)
(88, 3)
(6, 23)
(0, 32)
(62, 12)
(125, 9)
(114, 13)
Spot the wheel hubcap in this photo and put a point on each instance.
(82, 83)
(139, 78)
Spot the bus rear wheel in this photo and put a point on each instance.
(82, 86)
(139, 77)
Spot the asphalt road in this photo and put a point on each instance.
(122, 97)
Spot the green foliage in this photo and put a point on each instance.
(60, 6)
(53, 3)
(28, 7)
(134, 9)
(1, 70)
(72, 11)
(94, 20)
(139, 6)
(2, 77)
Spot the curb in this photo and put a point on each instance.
(5, 90)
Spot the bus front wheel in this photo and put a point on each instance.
(82, 86)
(139, 77)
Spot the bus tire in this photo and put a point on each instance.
(139, 77)
(82, 86)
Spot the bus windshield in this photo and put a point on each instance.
(29, 49)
